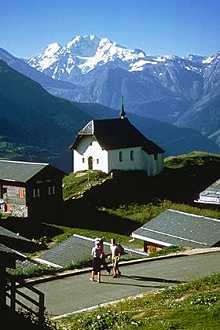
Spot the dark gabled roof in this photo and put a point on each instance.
(16, 241)
(10, 234)
(180, 229)
(19, 171)
(116, 134)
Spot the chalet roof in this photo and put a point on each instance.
(116, 134)
(11, 254)
(19, 171)
(211, 194)
(16, 241)
(180, 229)
(10, 234)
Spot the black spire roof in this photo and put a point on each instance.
(116, 134)
(122, 113)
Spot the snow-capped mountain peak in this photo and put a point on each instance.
(84, 53)
(72, 42)
(211, 59)
(52, 49)
(82, 46)
(47, 58)
(91, 38)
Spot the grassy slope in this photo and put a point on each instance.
(136, 198)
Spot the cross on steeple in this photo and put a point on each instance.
(122, 113)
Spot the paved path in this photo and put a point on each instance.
(76, 292)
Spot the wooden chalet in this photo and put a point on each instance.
(30, 189)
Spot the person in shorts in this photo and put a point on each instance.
(115, 258)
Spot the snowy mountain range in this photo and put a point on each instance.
(180, 90)
(184, 91)
(85, 53)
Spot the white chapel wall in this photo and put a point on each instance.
(126, 162)
(153, 165)
(107, 161)
(89, 147)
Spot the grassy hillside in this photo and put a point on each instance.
(32, 117)
(183, 178)
(119, 204)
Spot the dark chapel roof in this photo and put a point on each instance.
(116, 134)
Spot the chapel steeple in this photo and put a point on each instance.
(122, 113)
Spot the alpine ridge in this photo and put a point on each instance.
(184, 91)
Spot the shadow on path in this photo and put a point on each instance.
(130, 284)
(143, 279)
(151, 279)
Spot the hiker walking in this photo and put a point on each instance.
(103, 256)
(96, 262)
(115, 258)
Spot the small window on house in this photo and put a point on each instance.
(51, 190)
(83, 160)
(97, 161)
(131, 155)
(155, 156)
(36, 192)
(120, 156)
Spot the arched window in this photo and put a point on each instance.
(131, 155)
(120, 156)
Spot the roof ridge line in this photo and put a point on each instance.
(22, 162)
(194, 215)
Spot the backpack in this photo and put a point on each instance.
(120, 249)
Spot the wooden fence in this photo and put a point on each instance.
(17, 299)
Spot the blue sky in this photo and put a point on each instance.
(177, 27)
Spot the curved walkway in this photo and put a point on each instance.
(76, 293)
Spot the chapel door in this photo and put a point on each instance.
(90, 163)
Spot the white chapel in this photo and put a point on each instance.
(115, 144)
